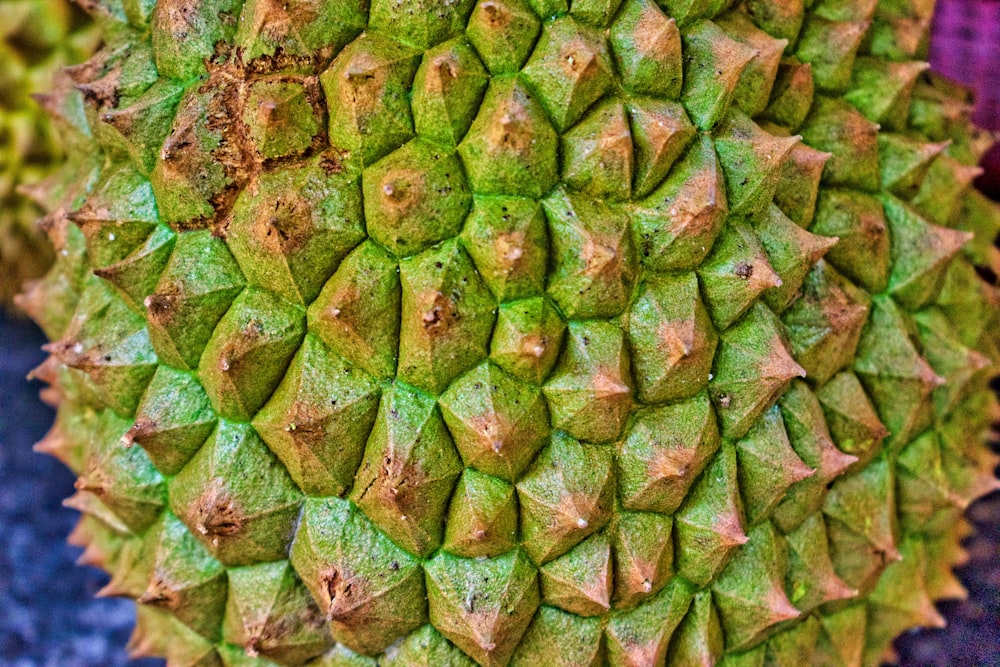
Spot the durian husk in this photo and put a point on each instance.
(37, 39)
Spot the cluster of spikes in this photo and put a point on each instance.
(519, 332)
(37, 38)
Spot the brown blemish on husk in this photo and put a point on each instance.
(216, 513)
(441, 315)
(160, 594)
(227, 89)
(288, 227)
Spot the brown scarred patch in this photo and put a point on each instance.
(220, 113)
(332, 161)
(497, 16)
(345, 596)
(402, 190)
(288, 227)
(578, 60)
(743, 270)
(216, 513)
(162, 306)
(142, 428)
(236, 348)
(160, 593)
(511, 129)
(441, 315)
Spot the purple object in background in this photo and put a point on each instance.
(965, 46)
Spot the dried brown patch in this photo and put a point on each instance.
(217, 514)
(289, 226)
(441, 315)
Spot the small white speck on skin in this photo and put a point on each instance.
(711, 376)
(64, 252)
(78, 348)
(647, 585)
(111, 236)
(582, 523)
(335, 312)
(538, 350)
(515, 253)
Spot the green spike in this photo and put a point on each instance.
(735, 274)
(503, 33)
(825, 322)
(852, 418)
(861, 525)
(671, 339)
(579, 581)
(810, 438)
(235, 497)
(592, 259)
(709, 525)
(756, 81)
(173, 419)
(272, 615)
(643, 556)
(408, 471)
(564, 497)
(293, 229)
(752, 369)
(904, 162)
(569, 68)
(498, 422)
(371, 591)
(425, 648)
(830, 46)
(482, 517)
(508, 240)
(483, 606)
(858, 221)
(898, 378)
(714, 63)
(698, 641)
(810, 580)
(357, 311)
(920, 254)
(318, 419)
(674, 227)
(589, 395)
(598, 153)
(449, 86)
(798, 184)
(767, 466)
(642, 635)
(853, 145)
(882, 90)
(664, 452)
(422, 23)
(561, 639)
(647, 50)
(750, 592)
(510, 147)
(249, 351)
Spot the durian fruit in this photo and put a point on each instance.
(521, 332)
(37, 38)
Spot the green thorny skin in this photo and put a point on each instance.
(513, 332)
(37, 38)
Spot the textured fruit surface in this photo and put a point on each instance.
(37, 37)
(444, 332)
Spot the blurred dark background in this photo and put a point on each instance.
(49, 616)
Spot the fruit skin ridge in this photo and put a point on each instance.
(505, 332)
